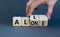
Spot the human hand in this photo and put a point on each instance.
(32, 4)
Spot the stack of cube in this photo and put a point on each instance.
(33, 20)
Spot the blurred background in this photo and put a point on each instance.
(11, 8)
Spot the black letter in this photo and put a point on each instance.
(43, 23)
(16, 22)
(32, 22)
(36, 22)
(25, 22)
(34, 17)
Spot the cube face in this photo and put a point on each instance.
(25, 21)
(34, 20)
(43, 17)
(34, 23)
(43, 23)
(16, 21)
(43, 20)
(34, 17)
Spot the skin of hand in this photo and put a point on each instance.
(32, 4)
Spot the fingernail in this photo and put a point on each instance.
(49, 18)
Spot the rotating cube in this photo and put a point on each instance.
(34, 20)
(43, 20)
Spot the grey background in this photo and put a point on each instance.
(10, 8)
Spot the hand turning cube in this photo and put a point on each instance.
(33, 20)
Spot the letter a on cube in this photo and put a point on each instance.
(16, 21)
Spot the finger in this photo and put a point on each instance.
(50, 9)
(33, 6)
(49, 15)
(30, 11)
(27, 5)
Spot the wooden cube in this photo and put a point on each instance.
(34, 20)
(16, 21)
(43, 20)
(25, 21)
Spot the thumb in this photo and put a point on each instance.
(48, 16)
